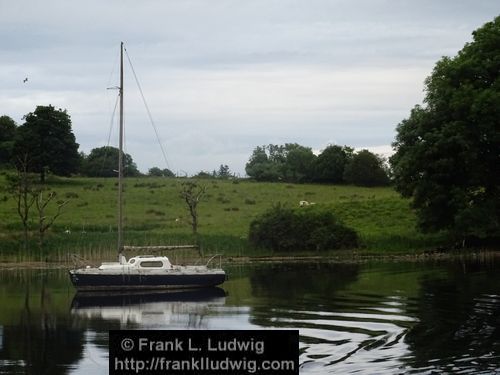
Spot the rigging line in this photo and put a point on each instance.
(109, 133)
(147, 110)
(112, 119)
(113, 69)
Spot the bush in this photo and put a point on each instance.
(250, 201)
(311, 228)
(71, 194)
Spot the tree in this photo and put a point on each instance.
(330, 164)
(261, 167)
(103, 162)
(157, 172)
(27, 193)
(447, 151)
(7, 138)
(299, 162)
(366, 169)
(223, 172)
(290, 162)
(23, 189)
(45, 221)
(47, 138)
(192, 192)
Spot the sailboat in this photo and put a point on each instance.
(144, 272)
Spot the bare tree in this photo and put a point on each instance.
(22, 187)
(27, 192)
(192, 192)
(44, 221)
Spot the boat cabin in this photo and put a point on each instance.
(144, 262)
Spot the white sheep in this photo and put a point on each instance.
(306, 203)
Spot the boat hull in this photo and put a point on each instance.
(103, 282)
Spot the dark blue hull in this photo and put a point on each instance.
(84, 281)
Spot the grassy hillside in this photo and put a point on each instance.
(156, 214)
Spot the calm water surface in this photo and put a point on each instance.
(375, 318)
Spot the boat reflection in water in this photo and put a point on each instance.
(172, 309)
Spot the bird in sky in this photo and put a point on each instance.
(25, 80)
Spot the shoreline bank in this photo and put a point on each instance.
(478, 254)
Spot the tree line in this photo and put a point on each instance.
(335, 164)
(45, 143)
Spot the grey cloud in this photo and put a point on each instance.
(223, 76)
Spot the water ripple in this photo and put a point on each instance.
(361, 331)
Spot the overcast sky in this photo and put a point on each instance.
(223, 76)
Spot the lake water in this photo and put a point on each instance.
(373, 318)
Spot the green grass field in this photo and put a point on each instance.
(155, 214)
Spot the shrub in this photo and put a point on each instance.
(311, 228)
(223, 200)
(71, 194)
(155, 212)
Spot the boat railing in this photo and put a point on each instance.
(79, 261)
(159, 248)
(213, 257)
